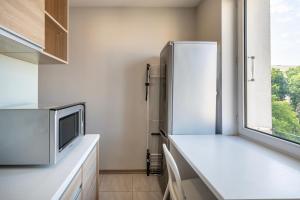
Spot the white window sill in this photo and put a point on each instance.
(272, 142)
(236, 168)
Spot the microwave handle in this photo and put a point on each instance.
(83, 120)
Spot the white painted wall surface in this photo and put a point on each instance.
(109, 49)
(18, 82)
(209, 29)
(209, 20)
(229, 68)
(216, 21)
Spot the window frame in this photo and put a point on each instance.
(285, 146)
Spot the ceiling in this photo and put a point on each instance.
(134, 3)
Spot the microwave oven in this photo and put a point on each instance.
(39, 135)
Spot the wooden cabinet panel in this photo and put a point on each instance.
(59, 10)
(91, 192)
(40, 22)
(56, 40)
(90, 176)
(24, 18)
(56, 29)
(86, 180)
(74, 188)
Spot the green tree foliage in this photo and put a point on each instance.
(279, 85)
(293, 78)
(284, 113)
(285, 121)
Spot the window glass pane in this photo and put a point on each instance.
(272, 67)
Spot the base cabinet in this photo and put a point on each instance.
(74, 191)
(84, 185)
(89, 176)
(91, 192)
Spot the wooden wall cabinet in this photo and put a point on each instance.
(25, 19)
(56, 29)
(35, 30)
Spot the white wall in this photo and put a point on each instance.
(229, 68)
(18, 82)
(209, 20)
(109, 49)
(209, 29)
(216, 21)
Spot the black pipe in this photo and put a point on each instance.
(147, 83)
(148, 162)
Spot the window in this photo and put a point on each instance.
(272, 68)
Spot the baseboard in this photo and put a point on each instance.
(129, 171)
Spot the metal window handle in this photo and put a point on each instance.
(252, 68)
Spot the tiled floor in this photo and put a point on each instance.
(129, 187)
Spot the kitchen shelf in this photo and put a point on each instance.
(56, 31)
(55, 21)
(56, 39)
(46, 58)
(15, 47)
(58, 9)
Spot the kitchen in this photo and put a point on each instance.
(106, 46)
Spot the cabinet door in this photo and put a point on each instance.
(91, 192)
(24, 18)
(73, 191)
(89, 176)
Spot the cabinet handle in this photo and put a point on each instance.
(78, 191)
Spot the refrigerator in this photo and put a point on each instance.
(188, 91)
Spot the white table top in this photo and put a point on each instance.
(37, 183)
(235, 168)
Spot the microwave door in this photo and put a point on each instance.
(69, 128)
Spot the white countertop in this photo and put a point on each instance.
(37, 183)
(235, 168)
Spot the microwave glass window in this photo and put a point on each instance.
(68, 129)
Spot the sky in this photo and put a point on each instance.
(285, 32)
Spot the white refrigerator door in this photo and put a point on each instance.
(194, 88)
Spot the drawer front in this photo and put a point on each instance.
(24, 18)
(91, 192)
(89, 169)
(73, 192)
(79, 197)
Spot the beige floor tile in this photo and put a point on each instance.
(116, 183)
(115, 196)
(144, 183)
(100, 178)
(147, 196)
